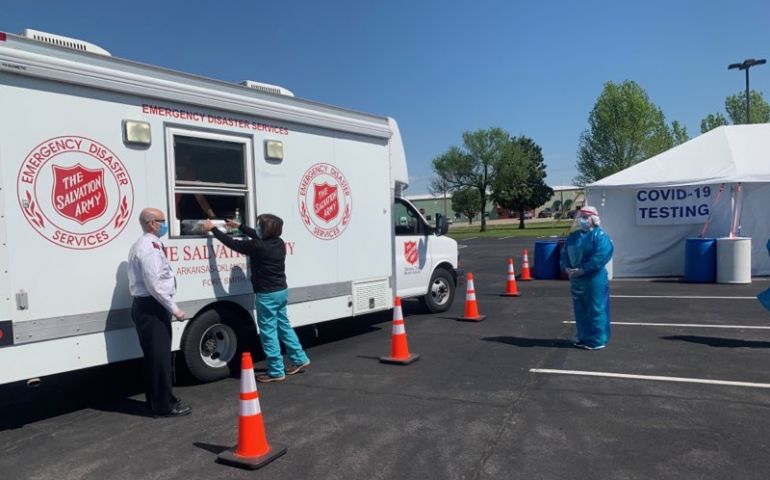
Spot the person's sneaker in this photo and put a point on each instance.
(294, 369)
(588, 347)
(267, 378)
(577, 342)
(178, 410)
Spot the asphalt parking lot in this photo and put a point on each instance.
(508, 397)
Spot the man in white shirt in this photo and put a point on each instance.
(153, 286)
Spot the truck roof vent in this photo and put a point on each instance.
(62, 41)
(266, 87)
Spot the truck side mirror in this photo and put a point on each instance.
(441, 226)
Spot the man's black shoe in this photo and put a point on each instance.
(179, 410)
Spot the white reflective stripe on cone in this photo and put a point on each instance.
(399, 329)
(397, 313)
(511, 276)
(471, 296)
(470, 285)
(249, 408)
(248, 383)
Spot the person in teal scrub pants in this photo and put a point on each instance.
(584, 256)
(267, 259)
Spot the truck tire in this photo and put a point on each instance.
(209, 345)
(441, 291)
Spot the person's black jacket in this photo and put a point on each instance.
(267, 258)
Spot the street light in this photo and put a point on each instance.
(748, 63)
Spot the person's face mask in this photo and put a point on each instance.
(584, 223)
(163, 230)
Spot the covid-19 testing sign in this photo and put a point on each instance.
(674, 205)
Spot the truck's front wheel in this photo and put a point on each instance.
(441, 291)
(209, 345)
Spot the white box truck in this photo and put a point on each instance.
(87, 140)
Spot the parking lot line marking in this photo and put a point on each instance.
(693, 325)
(683, 297)
(505, 238)
(470, 238)
(657, 378)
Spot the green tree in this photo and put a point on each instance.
(735, 105)
(679, 133)
(567, 206)
(520, 181)
(466, 202)
(711, 122)
(440, 188)
(474, 165)
(625, 127)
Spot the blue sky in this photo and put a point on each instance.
(440, 68)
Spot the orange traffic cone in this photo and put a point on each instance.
(471, 308)
(525, 276)
(399, 350)
(252, 451)
(510, 289)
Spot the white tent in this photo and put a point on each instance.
(651, 208)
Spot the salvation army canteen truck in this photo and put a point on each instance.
(88, 140)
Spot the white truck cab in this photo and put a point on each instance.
(424, 257)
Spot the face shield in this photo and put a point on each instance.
(586, 219)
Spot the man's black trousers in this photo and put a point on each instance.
(153, 325)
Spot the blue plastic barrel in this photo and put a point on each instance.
(562, 242)
(700, 260)
(546, 259)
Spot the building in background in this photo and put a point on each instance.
(433, 204)
(564, 199)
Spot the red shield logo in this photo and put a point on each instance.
(325, 202)
(410, 252)
(79, 193)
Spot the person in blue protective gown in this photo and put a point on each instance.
(764, 296)
(584, 256)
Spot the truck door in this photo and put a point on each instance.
(413, 259)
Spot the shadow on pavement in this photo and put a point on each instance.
(332, 331)
(215, 449)
(718, 341)
(108, 387)
(531, 342)
(68, 392)
(128, 406)
(370, 357)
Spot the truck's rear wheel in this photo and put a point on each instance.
(209, 345)
(441, 291)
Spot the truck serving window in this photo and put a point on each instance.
(210, 181)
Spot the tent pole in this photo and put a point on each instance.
(732, 210)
